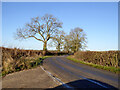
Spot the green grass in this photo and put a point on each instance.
(44, 57)
(112, 69)
(28, 64)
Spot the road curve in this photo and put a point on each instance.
(79, 75)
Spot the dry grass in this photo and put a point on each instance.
(107, 60)
(108, 68)
(104, 58)
(19, 59)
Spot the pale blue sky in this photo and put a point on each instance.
(98, 20)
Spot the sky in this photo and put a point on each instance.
(99, 20)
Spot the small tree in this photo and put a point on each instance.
(76, 40)
(67, 43)
(58, 40)
(42, 29)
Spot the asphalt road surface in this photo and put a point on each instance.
(32, 78)
(76, 75)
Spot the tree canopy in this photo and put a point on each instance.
(48, 27)
(41, 29)
(76, 40)
(58, 40)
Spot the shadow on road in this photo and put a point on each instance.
(78, 85)
(83, 83)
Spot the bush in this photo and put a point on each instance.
(15, 59)
(105, 58)
(19, 59)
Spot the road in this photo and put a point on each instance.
(78, 75)
(32, 78)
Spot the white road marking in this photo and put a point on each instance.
(92, 81)
(55, 78)
(65, 85)
(96, 83)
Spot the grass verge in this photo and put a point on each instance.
(26, 64)
(112, 69)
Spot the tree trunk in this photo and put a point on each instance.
(44, 48)
(59, 47)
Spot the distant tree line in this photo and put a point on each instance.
(48, 27)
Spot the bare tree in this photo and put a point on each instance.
(67, 43)
(76, 40)
(42, 29)
(58, 40)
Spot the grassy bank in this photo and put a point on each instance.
(103, 58)
(24, 64)
(108, 68)
(15, 59)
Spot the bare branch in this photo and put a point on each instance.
(36, 38)
(45, 27)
